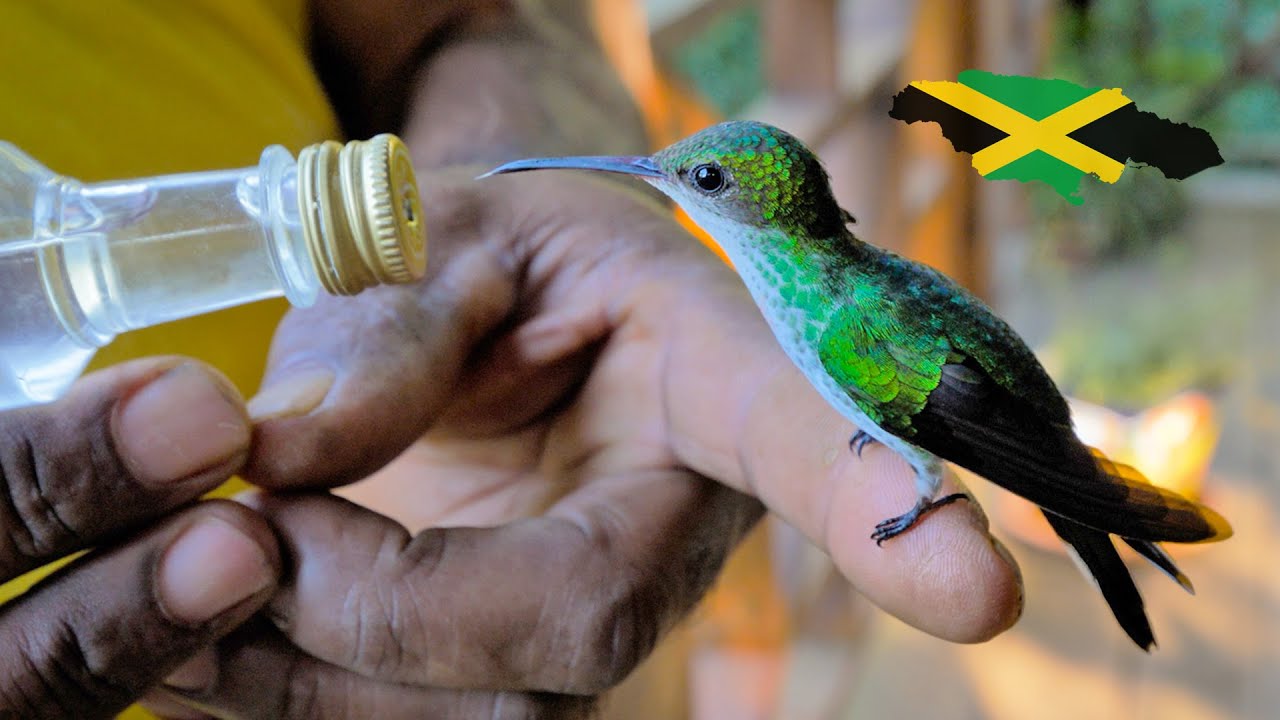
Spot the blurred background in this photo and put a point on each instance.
(1155, 304)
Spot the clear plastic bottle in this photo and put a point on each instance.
(81, 263)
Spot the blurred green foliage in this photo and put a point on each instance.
(1144, 315)
(1138, 335)
(1172, 55)
(1180, 60)
(723, 63)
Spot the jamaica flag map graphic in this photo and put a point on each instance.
(1025, 128)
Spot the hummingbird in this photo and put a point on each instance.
(914, 360)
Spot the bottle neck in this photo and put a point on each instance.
(131, 254)
(123, 255)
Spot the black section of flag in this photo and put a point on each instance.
(1179, 150)
(966, 132)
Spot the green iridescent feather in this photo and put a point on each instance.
(888, 374)
(887, 343)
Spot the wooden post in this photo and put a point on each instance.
(938, 183)
(1012, 39)
(800, 47)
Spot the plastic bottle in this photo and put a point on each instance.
(81, 263)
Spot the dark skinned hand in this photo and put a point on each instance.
(111, 466)
(582, 412)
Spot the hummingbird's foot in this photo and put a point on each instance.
(860, 440)
(895, 526)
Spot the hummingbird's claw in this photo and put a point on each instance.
(895, 526)
(860, 440)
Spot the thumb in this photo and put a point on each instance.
(352, 382)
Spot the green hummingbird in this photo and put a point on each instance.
(913, 359)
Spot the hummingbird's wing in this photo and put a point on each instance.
(980, 399)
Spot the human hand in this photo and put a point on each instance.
(594, 412)
(109, 467)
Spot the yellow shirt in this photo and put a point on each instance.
(129, 88)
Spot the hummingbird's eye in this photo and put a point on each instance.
(708, 178)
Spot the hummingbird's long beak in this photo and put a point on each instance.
(639, 165)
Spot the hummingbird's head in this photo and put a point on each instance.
(752, 174)
(730, 177)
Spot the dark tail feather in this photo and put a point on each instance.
(1161, 559)
(1095, 550)
(975, 423)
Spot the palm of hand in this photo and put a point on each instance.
(546, 412)
(556, 407)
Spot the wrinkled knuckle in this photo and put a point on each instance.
(388, 619)
(606, 625)
(40, 491)
(62, 676)
(380, 649)
(616, 633)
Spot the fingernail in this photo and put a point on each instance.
(209, 569)
(184, 421)
(1007, 556)
(296, 394)
(197, 674)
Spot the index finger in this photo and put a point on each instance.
(741, 412)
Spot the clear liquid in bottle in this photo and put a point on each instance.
(80, 264)
(40, 358)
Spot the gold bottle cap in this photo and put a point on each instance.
(361, 213)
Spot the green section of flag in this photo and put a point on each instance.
(1034, 97)
(1037, 165)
